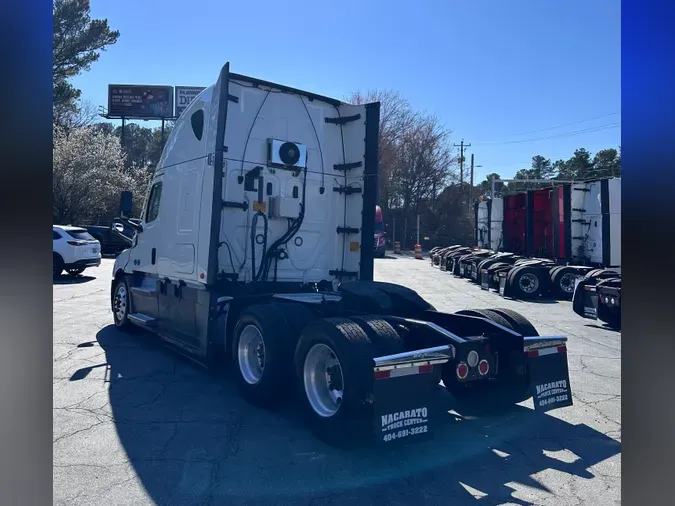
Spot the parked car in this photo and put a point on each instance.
(111, 243)
(74, 250)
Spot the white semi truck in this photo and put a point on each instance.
(255, 249)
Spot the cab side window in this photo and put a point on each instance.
(197, 121)
(152, 211)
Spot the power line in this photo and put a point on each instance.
(568, 124)
(608, 126)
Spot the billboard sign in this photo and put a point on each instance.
(184, 96)
(133, 101)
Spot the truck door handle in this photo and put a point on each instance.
(154, 255)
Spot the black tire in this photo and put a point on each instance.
(75, 272)
(484, 264)
(488, 314)
(518, 322)
(380, 332)
(267, 388)
(352, 419)
(522, 277)
(120, 304)
(297, 316)
(562, 281)
(591, 274)
(498, 265)
(57, 265)
(552, 272)
(493, 270)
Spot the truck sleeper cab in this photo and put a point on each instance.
(254, 248)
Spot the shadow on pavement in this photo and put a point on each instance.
(192, 440)
(604, 326)
(72, 280)
(537, 300)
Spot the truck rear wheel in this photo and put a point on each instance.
(526, 282)
(335, 356)
(562, 281)
(262, 354)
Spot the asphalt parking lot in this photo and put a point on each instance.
(135, 423)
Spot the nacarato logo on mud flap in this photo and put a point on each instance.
(404, 418)
(552, 388)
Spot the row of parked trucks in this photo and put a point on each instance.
(561, 242)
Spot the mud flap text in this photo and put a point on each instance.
(550, 381)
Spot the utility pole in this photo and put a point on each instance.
(461, 160)
(418, 229)
(471, 185)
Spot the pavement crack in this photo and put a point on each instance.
(79, 431)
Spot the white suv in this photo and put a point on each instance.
(74, 250)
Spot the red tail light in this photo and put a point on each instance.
(483, 367)
(462, 370)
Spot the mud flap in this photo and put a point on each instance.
(503, 288)
(404, 408)
(484, 279)
(585, 300)
(549, 373)
(405, 395)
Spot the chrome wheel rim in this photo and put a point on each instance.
(251, 354)
(528, 283)
(120, 303)
(323, 379)
(567, 282)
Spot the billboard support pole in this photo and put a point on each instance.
(122, 136)
(162, 144)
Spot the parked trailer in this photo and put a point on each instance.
(565, 232)
(244, 256)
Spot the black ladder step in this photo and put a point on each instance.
(143, 319)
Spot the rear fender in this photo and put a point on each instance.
(467, 327)
(489, 339)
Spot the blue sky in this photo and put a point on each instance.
(501, 74)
